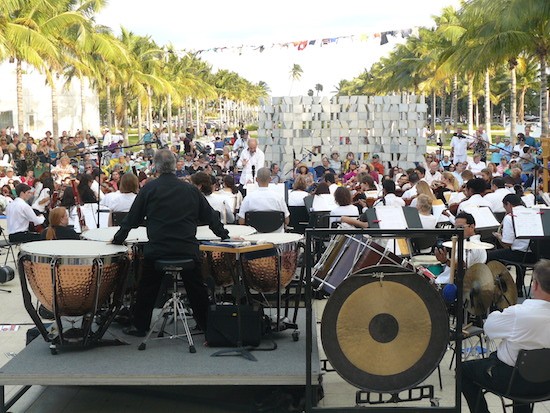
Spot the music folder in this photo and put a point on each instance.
(531, 222)
(388, 217)
(483, 216)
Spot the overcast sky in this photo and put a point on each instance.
(196, 25)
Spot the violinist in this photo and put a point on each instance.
(389, 198)
(20, 214)
(474, 190)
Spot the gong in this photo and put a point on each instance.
(385, 329)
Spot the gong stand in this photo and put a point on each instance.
(390, 381)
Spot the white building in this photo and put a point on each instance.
(37, 102)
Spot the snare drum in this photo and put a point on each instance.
(74, 279)
(261, 269)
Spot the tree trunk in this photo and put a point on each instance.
(470, 104)
(199, 132)
(20, 112)
(488, 105)
(83, 105)
(55, 111)
(443, 104)
(544, 121)
(434, 103)
(109, 107)
(521, 111)
(477, 113)
(125, 116)
(169, 115)
(454, 102)
(513, 102)
(150, 108)
(140, 120)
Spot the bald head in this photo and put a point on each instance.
(263, 177)
(252, 145)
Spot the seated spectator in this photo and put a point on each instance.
(299, 192)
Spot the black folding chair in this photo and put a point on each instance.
(299, 218)
(265, 221)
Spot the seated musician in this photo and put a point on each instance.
(513, 249)
(474, 190)
(345, 207)
(519, 327)
(20, 214)
(498, 185)
(389, 198)
(59, 226)
(471, 256)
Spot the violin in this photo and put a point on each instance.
(77, 202)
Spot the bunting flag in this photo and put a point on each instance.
(300, 45)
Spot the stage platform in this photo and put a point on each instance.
(164, 363)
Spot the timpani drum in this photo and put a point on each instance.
(74, 279)
(385, 329)
(263, 269)
(216, 264)
(347, 254)
(136, 235)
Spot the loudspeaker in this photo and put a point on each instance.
(6, 274)
(223, 331)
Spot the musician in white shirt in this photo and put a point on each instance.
(474, 188)
(433, 174)
(251, 159)
(122, 200)
(19, 214)
(498, 185)
(389, 198)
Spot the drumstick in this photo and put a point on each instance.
(450, 290)
(453, 259)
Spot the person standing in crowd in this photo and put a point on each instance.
(459, 146)
(171, 232)
(252, 159)
(518, 327)
(20, 214)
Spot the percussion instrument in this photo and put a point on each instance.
(385, 329)
(428, 261)
(215, 263)
(506, 292)
(478, 289)
(74, 279)
(269, 272)
(469, 245)
(346, 254)
(205, 234)
(136, 235)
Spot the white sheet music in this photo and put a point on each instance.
(483, 216)
(527, 222)
(391, 217)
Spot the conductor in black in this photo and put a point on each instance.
(171, 210)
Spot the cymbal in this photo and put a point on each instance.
(469, 245)
(506, 292)
(478, 289)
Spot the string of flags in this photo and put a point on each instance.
(300, 45)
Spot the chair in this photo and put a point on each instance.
(7, 246)
(419, 244)
(265, 221)
(173, 308)
(499, 216)
(522, 266)
(534, 367)
(299, 217)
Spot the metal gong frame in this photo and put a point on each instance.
(311, 234)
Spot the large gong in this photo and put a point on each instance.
(385, 329)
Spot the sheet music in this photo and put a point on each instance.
(391, 217)
(483, 216)
(527, 222)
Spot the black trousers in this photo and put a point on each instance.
(491, 373)
(148, 289)
(26, 236)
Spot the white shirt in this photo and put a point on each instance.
(19, 214)
(218, 203)
(257, 159)
(296, 198)
(521, 327)
(5, 180)
(264, 199)
(343, 211)
(410, 193)
(39, 196)
(459, 145)
(428, 221)
(509, 234)
(233, 200)
(118, 202)
(495, 199)
(323, 202)
(390, 200)
(429, 178)
(474, 200)
(476, 167)
(332, 188)
(471, 257)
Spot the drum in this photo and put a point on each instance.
(430, 262)
(216, 264)
(73, 279)
(262, 269)
(347, 254)
(385, 329)
(136, 235)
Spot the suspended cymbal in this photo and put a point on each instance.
(468, 245)
(478, 289)
(506, 292)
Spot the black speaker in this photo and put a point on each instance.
(222, 329)
(6, 274)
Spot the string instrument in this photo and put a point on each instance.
(134, 170)
(76, 195)
(54, 200)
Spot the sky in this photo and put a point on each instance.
(200, 25)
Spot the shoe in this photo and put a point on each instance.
(132, 331)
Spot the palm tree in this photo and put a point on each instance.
(318, 88)
(295, 74)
